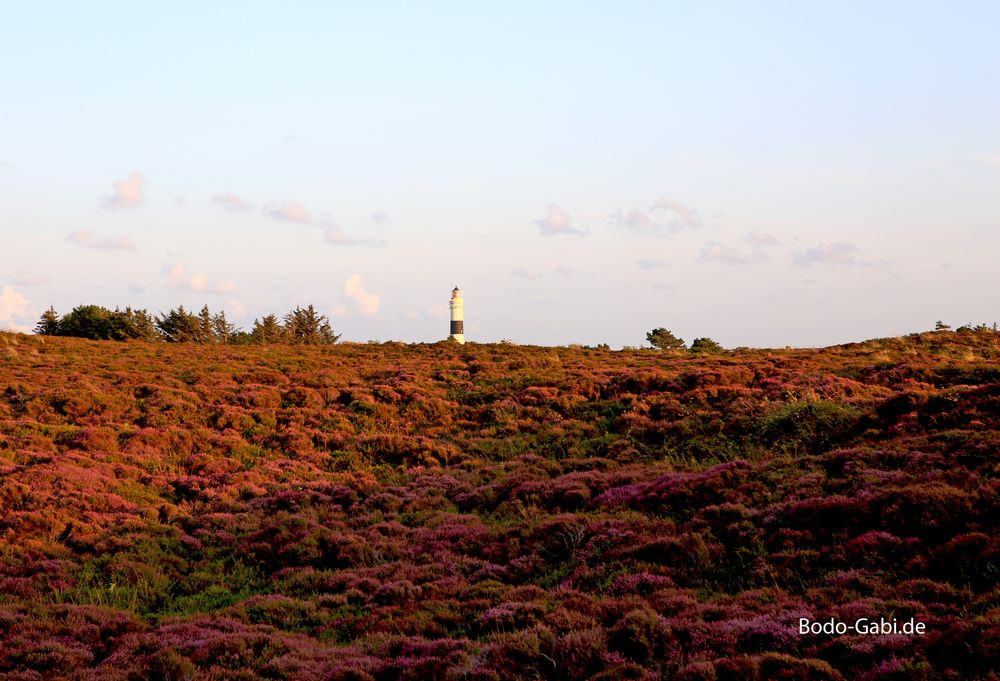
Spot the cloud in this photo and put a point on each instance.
(178, 277)
(634, 218)
(526, 273)
(720, 253)
(567, 272)
(288, 212)
(652, 263)
(335, 235)
(29, 278)
(717, 252)
(354, 290)
(837, 253)
(231, 201)
(87, 239)
(760, 239)
(12, 304)
(662, 217)
(992, 160)
(381, 217)
(238, 309)
(682, 215)
(435, 313)
(129, 193)
(556, 222)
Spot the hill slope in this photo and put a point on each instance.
(494, 512)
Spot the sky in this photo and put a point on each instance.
(764, 174)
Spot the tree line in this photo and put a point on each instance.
(965, 328)
(299, 326)
(663, 339)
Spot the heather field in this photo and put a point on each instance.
(487, 512)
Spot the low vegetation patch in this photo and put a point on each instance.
(383, 511)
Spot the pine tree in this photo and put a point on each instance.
(326, 334)
(206, 326)
(662, 339)
(301, 325)
(118, 325)
(99, 323)
(266, 330)
(141, 325)
(705, 345)
(90, 321)
(48, 324)
(179, 326)
(308, 326)
(222, 329)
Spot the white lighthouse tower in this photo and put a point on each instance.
(457, 316)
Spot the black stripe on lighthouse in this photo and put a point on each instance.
(457, 327)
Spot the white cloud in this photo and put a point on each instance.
(335, 235)
(681, 214)
(556, 222)
(717, 252)
(179, 278)
(567, 272)
(652, 263)
(381, 217)
(662, 217)
(88, 239)
(12, 304)
(29, 278)
(837, 253)
(526, 273)
(231, 201)
(237, 308)
(367, 303)
(720, 253)
(288, 212)
(435, 313)
(760, 239)
(129, 193)
(634, 218)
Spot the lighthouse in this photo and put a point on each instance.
(457, 316)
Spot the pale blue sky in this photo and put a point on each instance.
(761, 173)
